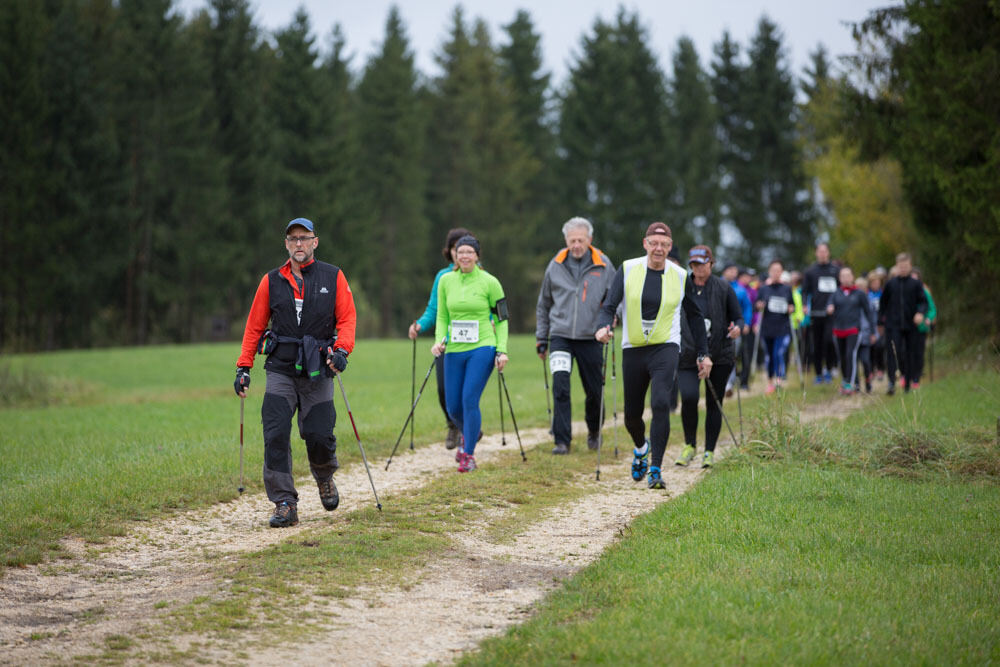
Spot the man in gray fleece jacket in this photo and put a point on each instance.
(574, 285)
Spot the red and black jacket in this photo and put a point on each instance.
(327, 313)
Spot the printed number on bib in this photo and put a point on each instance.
(777, 304)
(560, 361)
(827, 284)
(647, 328)
(465, 331)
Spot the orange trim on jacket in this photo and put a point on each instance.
(595, 256)
(345, 314)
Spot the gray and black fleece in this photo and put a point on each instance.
(571, 294)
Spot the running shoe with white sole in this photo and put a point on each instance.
(640, 464)
(686, 455)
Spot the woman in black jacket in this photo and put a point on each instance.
(723, 323)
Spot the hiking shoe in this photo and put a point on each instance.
(686, 455)
(453, 439)
(560, 448)
(328, 494)
(891, 390)
(461, 443)
(770, 389)
(708, 459)
(467, 464)
(285, 515)
(655, 481)
(818, 380)
(593, 441)
(640, 464)
(915, 385)
(827, 377)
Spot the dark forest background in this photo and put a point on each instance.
(149, 162)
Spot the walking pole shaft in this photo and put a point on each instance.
(242, 401)
(355, 427)
(413, 385)
(503, 381)
(409, 417)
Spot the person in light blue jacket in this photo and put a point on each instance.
(427, 321)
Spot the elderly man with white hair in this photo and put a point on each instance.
(575, 283)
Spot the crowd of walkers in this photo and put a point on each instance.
(678, 326)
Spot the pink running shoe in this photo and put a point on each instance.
(467, 464)
(770, 389)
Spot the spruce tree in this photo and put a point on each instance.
(392, 179)
(613, 135)
(694, 206)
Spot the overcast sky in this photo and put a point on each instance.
(561, 23)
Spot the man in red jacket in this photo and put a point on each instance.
(310, 308)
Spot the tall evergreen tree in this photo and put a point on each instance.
(613, 134)
(521, 69)
(694, 206)
(301, 139)
(392, 179)
(480, 168)
(727, 88)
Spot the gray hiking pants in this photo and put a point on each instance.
(313, 400)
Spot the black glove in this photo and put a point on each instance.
(541, 346)
(338, 359)
(242, 379)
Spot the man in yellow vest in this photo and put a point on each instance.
(655, 295)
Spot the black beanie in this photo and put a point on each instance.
(468, 240)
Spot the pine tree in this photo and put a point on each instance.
(613, 134)
(727, 87)
(480, 169)
(391, 124)
(694, 207)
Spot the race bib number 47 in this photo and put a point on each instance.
(465, 331)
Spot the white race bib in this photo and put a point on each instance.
(708, 327)
(298, 311)
(827, 284)
(560, 361)
(465, 331)
(777, 304)
(647, 328)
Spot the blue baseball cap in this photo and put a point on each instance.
(301, 222)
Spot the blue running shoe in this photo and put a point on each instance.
(827, 377)
(640, 464)
(655, 481)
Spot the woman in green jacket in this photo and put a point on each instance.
(472, 334)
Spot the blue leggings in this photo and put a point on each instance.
(776, 348)
(465, 377)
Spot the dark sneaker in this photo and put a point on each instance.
(640, 464)
(655, 481)
(560, 448)
(328, 494)
(891, 390)
(593, 441)
(453, 439)
(285, 515)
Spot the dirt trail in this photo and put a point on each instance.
(51, 612)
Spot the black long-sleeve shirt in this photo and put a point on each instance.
(652, 291)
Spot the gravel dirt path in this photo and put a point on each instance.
(67, 608)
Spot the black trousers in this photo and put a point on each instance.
(589, 360)
(653, 366)
(823, 349)
(690, 388)
(439, 376)
(901, 352)
(920, 341)
(847, 348)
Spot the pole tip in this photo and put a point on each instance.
(379, 506)
(241, 490)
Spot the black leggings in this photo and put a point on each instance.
(690, 387)
(439, 376)
(847, 348)
(823, 348)
(642, 367)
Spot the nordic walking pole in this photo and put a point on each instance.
(503, 382)
(795, 351)
(242, 401)
(718, 404)
(409, 417)
(355, 426)
(503, 433)
(548, 401)
(614, 392)
(600, 431)
(413, 385)
(739, 401)
(756, 346)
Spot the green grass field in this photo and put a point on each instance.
(868, 539)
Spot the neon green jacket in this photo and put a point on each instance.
(799, 313)
(464, 299)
